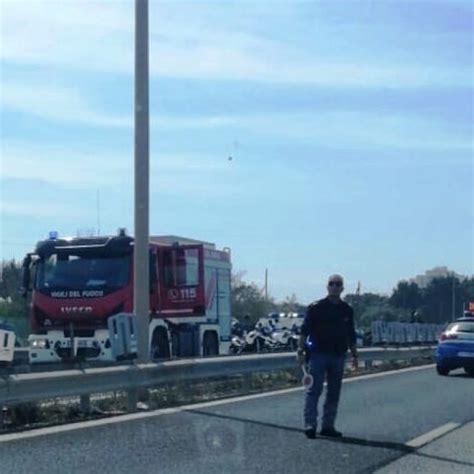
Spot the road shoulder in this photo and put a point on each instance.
(453, 452)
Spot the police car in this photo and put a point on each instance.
(456, 347)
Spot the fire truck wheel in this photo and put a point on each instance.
(159, 345)
(293, 344)
(209, 344)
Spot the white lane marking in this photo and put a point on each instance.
(167, 411)
(432, 435)
(390, 372)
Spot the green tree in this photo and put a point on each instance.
(10, 281)
(13, 307)
(407, 296)
(438, 299)
(366, 307)
(383, 312)
(247, 298)
(465, 292)
(290, 305)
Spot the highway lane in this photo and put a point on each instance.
(378, 415)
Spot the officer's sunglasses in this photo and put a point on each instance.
(335, 283)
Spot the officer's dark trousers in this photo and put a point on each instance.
(323, 366)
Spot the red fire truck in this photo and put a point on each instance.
(78, 283)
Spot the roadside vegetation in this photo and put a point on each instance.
(406, 303)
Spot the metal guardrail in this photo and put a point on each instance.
(33, 387)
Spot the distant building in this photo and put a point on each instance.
(437, 272)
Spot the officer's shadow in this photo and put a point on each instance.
(345, 439)
(400, 447)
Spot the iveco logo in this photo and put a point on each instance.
(76, 309)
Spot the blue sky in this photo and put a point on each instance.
(349, 124)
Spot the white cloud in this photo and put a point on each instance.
(31, 208)
(86, 169)
(89, 35)
(99, 37)
(57, 104)
(358, 129)
(333, 129)
(69, 105)
(63, 165)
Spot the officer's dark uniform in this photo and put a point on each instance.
(329, 328)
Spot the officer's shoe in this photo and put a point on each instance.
(310, 433)
(331, 433)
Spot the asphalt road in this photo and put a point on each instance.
(263, 435)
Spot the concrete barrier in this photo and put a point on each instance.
(405, 333)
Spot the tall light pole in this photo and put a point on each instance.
(266, 285)
(141, 281)
(453, 299)
(98, 212)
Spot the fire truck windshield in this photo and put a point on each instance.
(66, 271)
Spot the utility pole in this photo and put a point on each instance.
(266, 292)
(98, 212)
(453, 299)
(141, 280)
(266, 285)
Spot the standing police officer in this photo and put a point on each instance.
(326, 334)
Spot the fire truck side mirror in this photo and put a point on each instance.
(25, 276)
